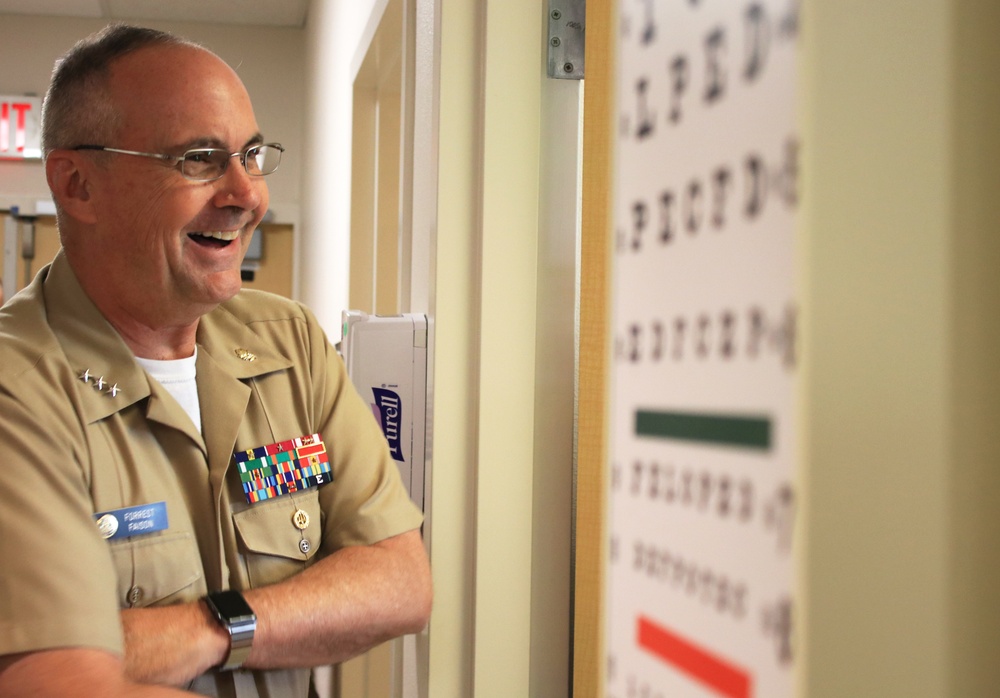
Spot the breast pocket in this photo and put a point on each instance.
(279, 536)
(157, 570)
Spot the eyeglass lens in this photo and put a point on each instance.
(211, 163)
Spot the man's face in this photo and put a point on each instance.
(173, 244)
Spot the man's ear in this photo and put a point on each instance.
(69, 180)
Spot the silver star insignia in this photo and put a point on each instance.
(114, 390)
(100, 383)
(85, 376)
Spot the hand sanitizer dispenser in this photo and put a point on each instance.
(386, 359)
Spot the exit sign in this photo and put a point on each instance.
(20, 132)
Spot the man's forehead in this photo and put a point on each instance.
(185, 95)
(171, 71)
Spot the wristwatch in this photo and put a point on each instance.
(235, 615)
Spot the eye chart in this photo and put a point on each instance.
(700, 574)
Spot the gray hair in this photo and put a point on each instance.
(78, 109)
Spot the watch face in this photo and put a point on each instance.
(231, 604)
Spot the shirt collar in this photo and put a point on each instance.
(109, 377)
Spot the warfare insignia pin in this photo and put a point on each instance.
(300, 519)
(245, 354)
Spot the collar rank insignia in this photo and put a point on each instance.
(99, 384)
(283, 467)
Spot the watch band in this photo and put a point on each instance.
(235, 615)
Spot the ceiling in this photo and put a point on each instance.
(278, 13)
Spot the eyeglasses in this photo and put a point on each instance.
(208, 164)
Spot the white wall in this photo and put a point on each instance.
(333, 34)
(270, 61)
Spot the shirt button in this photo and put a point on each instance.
(134, 595)
(305, 546)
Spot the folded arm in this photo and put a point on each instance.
(338, 608)
(72, 673)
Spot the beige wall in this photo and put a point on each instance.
(901, 477)
(502, 396)
(974, 372)
(271, 62)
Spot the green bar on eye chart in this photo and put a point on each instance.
(714, 429)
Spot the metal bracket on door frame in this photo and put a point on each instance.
(567, 23)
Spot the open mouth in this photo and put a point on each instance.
(217, 239)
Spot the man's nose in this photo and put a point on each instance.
(238, 187)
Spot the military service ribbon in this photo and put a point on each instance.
(283, 467)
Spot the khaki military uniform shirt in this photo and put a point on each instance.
(84, 429)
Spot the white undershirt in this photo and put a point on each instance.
(178, 377)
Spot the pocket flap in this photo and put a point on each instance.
(152, 569)
(288, 526)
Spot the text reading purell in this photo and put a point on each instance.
(390, 411)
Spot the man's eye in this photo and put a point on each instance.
(199, 158)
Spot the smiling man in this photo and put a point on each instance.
(195, 498)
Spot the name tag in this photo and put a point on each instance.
(132, 521)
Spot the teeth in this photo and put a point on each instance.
(227, 235)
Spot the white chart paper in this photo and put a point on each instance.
(700, 573)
